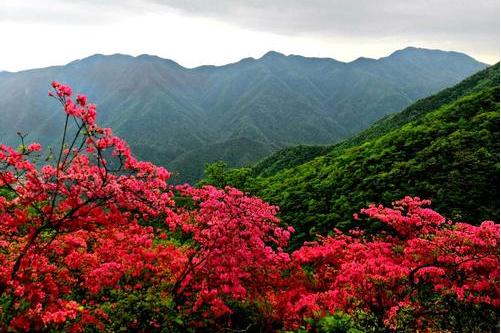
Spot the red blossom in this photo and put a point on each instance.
(34, 147)
(383, 274)
(74, 230)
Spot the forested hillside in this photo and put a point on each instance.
(183, 118)
(445, 148)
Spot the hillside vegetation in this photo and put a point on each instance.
(94, 240)
(445, 148)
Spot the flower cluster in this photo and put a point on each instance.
(98, 222)
(422, 262)
(239, 253)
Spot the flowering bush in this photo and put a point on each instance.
(98, 240)
(81, 236)
(410, 276)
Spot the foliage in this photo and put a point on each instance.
(219, 175)
(338, 322)
(288, 158)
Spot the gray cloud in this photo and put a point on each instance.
(76, 12)
(462, 24)
(367, 18)
(352, 17)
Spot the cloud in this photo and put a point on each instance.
(76, 12)
(469, 26)
(347, 18)
(355, 18)
(196, 32)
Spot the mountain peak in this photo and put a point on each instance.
(101, 57)
(154, 58)
(423, 53)
(124, 58)
(272, 54)
(419, 50)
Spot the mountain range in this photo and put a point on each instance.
(183, 118)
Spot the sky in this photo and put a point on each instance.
(40, 33)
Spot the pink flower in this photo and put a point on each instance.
(34, 147)
(82, 100)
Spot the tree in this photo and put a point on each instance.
(97, 240)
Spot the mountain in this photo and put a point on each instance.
(240, 112)
(295, 155)
(444, 148)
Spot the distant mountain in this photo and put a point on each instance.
(241, 112)
(444, 148)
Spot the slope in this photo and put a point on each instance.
(292, 156)
(445, 148)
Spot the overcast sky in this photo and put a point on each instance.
(38, 33)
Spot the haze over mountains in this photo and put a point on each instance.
(240, 113)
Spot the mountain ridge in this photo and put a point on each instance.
(168, 112)
(147, 55)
